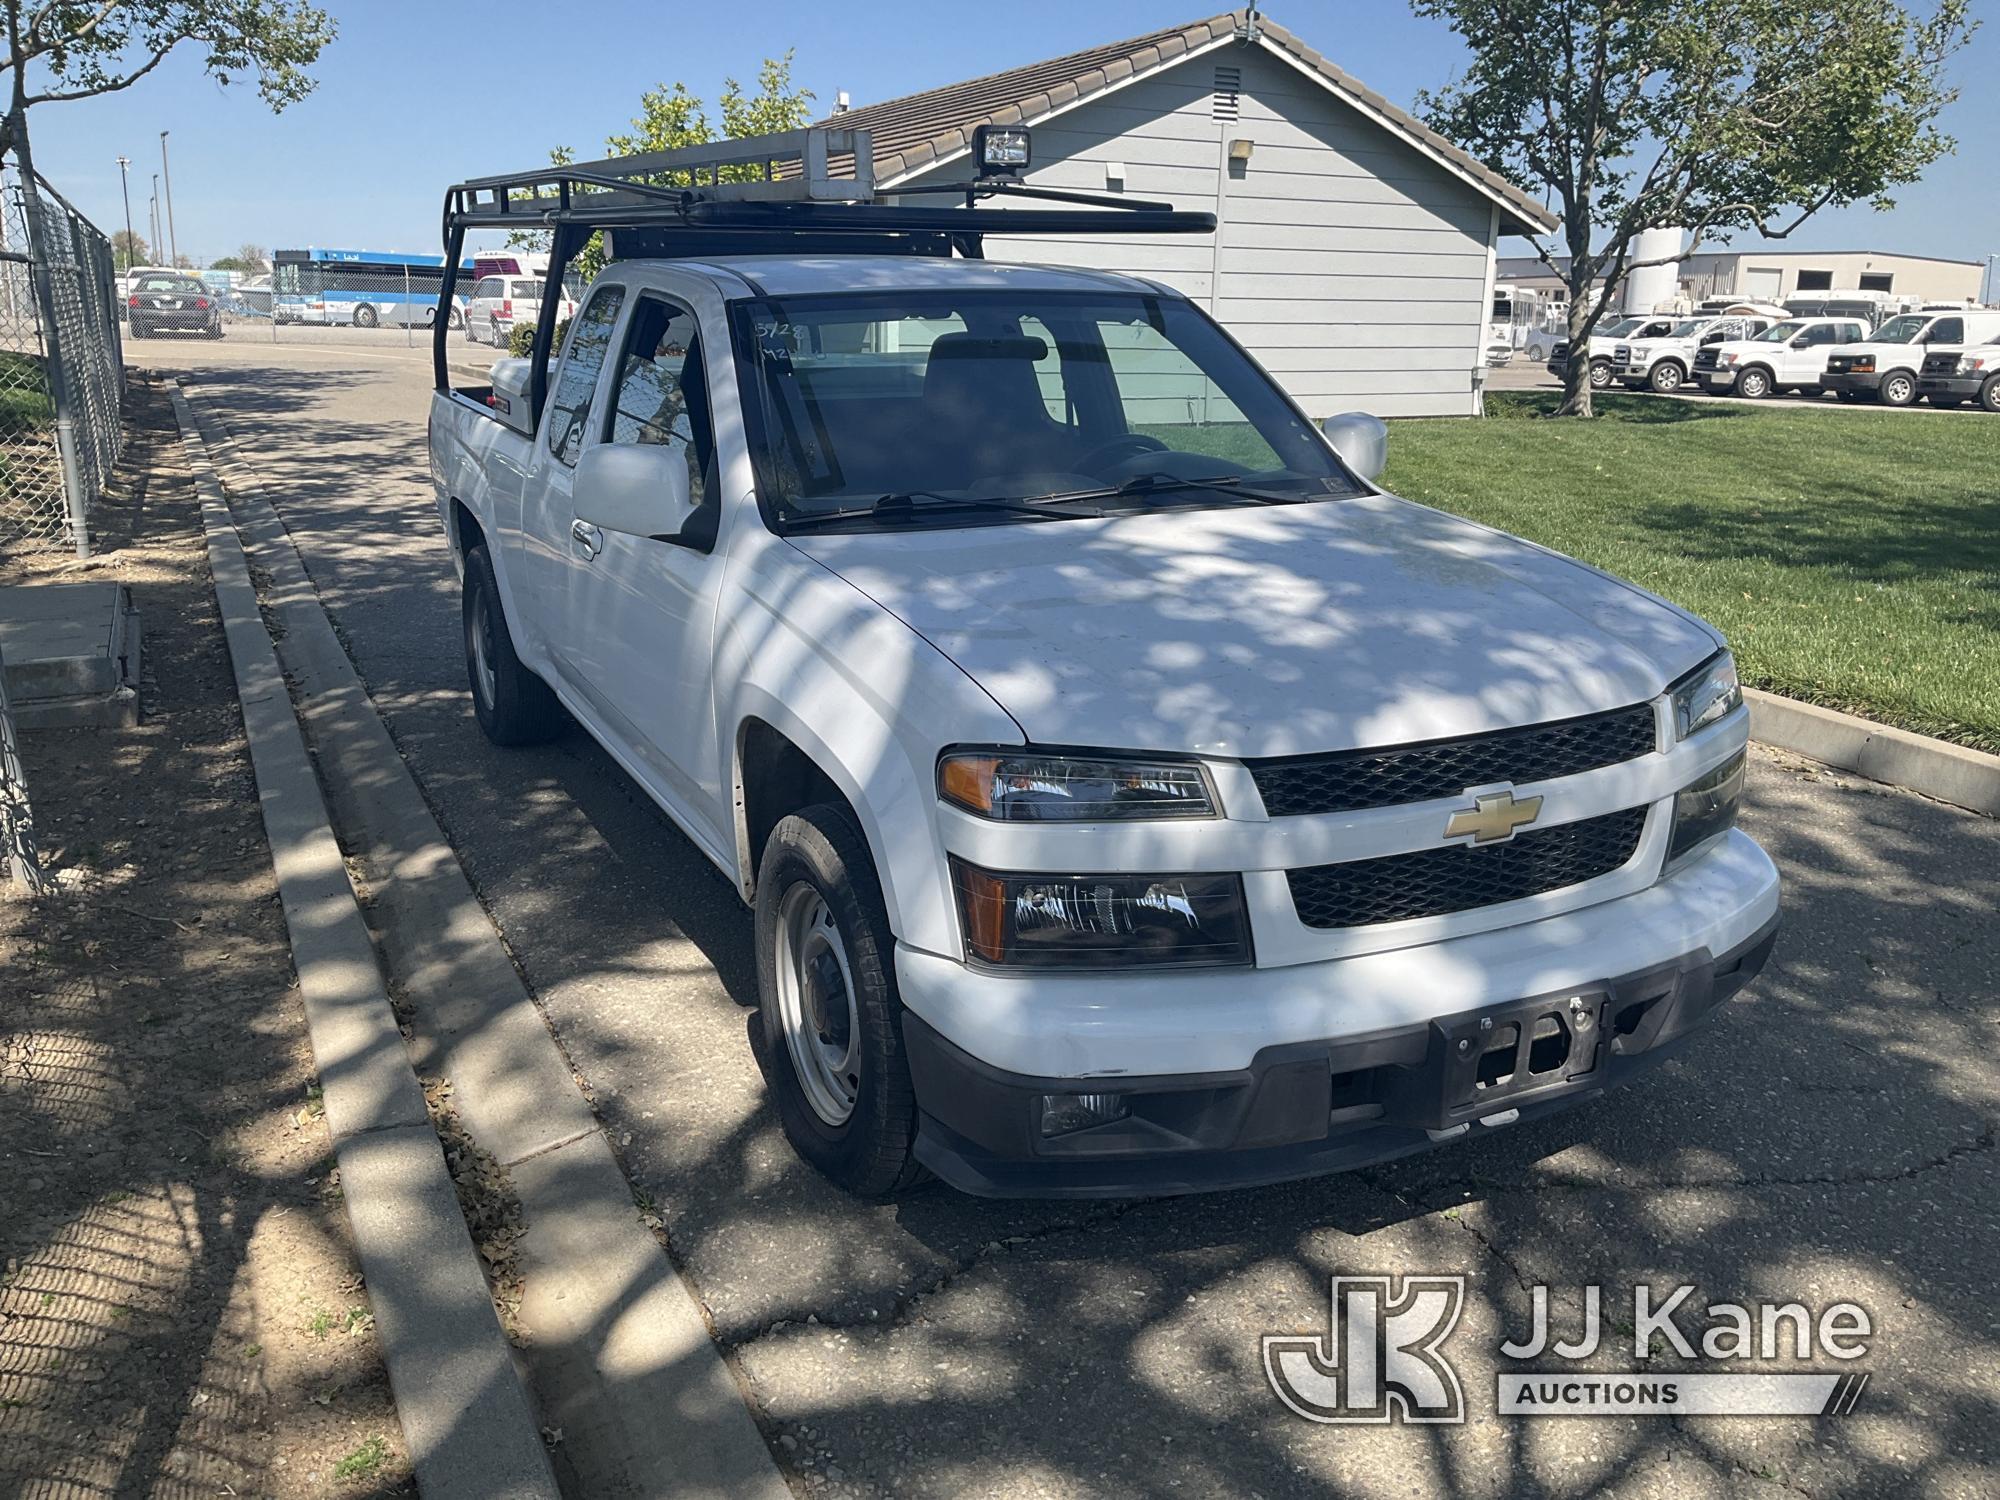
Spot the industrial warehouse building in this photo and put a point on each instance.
(1355, 248)
(1773, 275)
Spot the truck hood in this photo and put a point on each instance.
(1272, 630)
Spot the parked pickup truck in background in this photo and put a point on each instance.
(1957, 374)
(1885, 365)
(1787, 356)
(1604, 344)
(1132, 795)
(1663, 363)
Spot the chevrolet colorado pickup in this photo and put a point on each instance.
(1131, 794)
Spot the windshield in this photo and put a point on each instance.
(1620, 328)
(1777, 333)
(1690, 329)
(1898, 331)
(928, 403)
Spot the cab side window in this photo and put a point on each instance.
(1946, 331)
(569, 402)
(662, 392)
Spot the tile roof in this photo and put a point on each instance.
(918, 131)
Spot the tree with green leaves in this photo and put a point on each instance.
(79, 49)
(671, 116)
(127, 250)
(1713, 116)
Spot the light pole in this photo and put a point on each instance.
(1987, 291)
(172, 243)
(125, 187)
(154, 211)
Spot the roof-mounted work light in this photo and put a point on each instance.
(1000, 150)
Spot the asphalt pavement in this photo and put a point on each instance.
(1830, 1136)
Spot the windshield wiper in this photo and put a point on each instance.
(909, 502)
(1161, 484)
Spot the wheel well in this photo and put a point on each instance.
(774, 778)
(465, 528)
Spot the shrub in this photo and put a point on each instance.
(521, 342)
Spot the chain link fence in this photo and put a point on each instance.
(61, 367)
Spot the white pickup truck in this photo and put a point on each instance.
(1131, 794)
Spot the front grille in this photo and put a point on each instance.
(1622, 354)
(1434, 882)
(1705, 360)
(1940, 364)
(1353, 779)
(1560, 353)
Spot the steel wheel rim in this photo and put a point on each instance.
(483, 649)
(816, 1005)
(1899, 390)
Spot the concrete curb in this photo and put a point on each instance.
(468, 1425)
(1951, 773)
(618, 1351)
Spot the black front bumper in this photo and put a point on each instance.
(1852, 382)
(1951, 387)
(1307, 1108)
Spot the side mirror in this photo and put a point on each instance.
(1802, 341)
(1361, 441)
(637, 489)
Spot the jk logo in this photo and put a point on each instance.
(1379, 1360)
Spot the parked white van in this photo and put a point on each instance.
(1886, 364)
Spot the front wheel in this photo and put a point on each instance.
(1667, 377)
(1899, 388)
(1989, 394)
(830, 1024)
(512, 704)
(1600, 374)
(1754, 383)
(365, 317)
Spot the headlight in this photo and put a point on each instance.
(1705, 809)
(1707, 694)
(1972, 364)
(1727, 359)
(1101, 921)
(1862, 364)
(1025, 787)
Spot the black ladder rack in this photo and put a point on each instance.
(806, 191)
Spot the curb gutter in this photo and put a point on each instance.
(1950, 773)
(468, 1425)
(618, 1351)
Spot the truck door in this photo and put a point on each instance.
(642, 611)
(548, 550)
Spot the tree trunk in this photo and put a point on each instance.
(1576, 401)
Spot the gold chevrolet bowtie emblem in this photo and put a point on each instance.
(1493, 816)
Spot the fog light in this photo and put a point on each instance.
(1065, 1114)
(1706, 809)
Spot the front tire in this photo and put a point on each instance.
(830, 1024)
(1989, 394)
(1600, 374)
(1898, 388)
(512, 704)
(365, 316)
(1667, 377)
(1754, 383)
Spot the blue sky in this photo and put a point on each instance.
(417, 95)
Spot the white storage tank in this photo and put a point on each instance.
(1650, 286)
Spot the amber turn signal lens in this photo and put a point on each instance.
(968, 781)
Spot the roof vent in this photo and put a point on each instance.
(1228, 101)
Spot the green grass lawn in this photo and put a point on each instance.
(1852, 558)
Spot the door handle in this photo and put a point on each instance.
(588, 539)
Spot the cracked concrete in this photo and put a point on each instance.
(1830, 1136)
